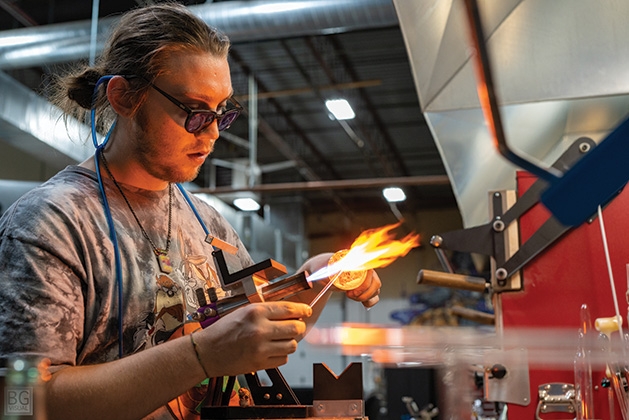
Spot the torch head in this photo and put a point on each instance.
(346, 280)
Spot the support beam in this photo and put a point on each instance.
(345, 184)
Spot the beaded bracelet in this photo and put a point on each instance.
(196, 352)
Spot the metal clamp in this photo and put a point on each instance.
(556, 397)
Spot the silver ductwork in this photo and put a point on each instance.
(560, 70)
(242, 21)
(31, 124)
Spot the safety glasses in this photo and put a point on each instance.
(199, 119)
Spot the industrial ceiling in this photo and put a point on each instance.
(292, 55)
(560, 70)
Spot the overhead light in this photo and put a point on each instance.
(340, 108)
(394, 194)
(247, 204)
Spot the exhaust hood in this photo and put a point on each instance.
(561, 71)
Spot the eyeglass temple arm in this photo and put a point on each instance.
(175, 100)
(235, 102)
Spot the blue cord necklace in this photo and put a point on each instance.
(110, 221)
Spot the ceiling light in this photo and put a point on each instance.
(340, 108)
(247, 204)
(394, 194)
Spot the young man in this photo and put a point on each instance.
(101, 283)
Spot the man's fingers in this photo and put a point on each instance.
(287, 330)
(287, 310)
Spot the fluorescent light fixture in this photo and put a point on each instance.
(340, 108)
(247, 204)
(277, 8)
(394, 194)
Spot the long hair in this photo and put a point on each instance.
(138, 45)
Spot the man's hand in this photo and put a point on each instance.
(368, 292)
(255, 337)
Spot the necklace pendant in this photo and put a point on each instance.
(165, 265)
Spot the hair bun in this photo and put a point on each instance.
(81, 87)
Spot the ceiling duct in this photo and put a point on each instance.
(560, 71)
(242, 21)
(30, 123)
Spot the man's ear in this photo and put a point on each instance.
(119, 98)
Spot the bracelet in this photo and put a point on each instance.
(196, 352)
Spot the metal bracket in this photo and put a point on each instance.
(556, 397)
(260, 282)
(506, 243)
(244, 279)
(334, 397)
(490, 239)
(506, 376)
(279, 392)
(338, 396)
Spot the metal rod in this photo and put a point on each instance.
(332, 184)
(489, 102)
(325, 289)
(94, 31)
(451, 280)
(309, 90)
(253, 130)
(17, 13)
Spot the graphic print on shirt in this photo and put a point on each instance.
(197, 273)
(176, 293)
(169, 309)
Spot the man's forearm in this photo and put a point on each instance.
(129, 388)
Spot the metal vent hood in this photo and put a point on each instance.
(561, 70)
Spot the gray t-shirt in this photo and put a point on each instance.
(58, 288)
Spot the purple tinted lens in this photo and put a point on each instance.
(196, 122)
(227, 119)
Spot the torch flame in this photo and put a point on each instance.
(374, 248)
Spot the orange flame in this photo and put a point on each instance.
(374, 248)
